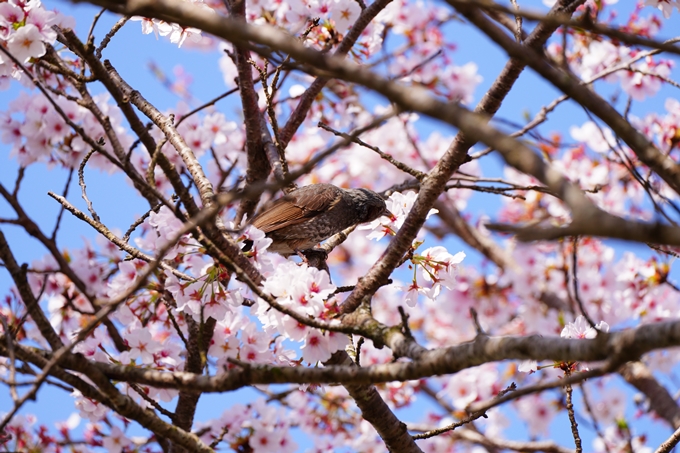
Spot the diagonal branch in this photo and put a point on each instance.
(258, 165)
(639, 376)
(19, 276)
(662, 164)
(309, 96)
(108, 234)
(374, 410)
(106, 393)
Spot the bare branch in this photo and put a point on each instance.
(615, 347)
(19, 276)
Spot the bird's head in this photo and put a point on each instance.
(370, 205)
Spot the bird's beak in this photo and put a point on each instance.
(387, 213)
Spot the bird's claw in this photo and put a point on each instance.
(315, 258)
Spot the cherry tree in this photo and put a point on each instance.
(556, 298)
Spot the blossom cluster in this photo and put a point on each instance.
(443, 296)
(25, 28)
(639, 74)
(39, 131)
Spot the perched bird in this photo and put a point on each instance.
(306, 216)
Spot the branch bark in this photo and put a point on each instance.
(258, 164)
(616, 348)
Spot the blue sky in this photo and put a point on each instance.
(131, 52)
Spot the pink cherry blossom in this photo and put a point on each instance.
(399, 205)
(615, 440)
(142, 345)
(537, 412)
(665, 6)
(599, 138)
(316, 347)
(643, 84)
(26, 43)
(88, 408)
(116, 441)
(43, 20)
(581, 329)
(462, 81)
(10, 14)
(344, 13)
(265, 441)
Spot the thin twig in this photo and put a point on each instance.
(81, 181)
(140, 391)
(596, 425)
(61, 210)
(139, 221)
(669, 443)
(518, 22)
(419, 175)
(108, 234)
(574, 276)
(596, 372)
(570, 412)
(12, 359)
(451, 427)
(90, 36)
(105, 42)
(20, 177)
(219, 438)
(213, 101)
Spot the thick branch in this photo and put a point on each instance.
(19, 277)
(199, 340)
(615, 347)
(374, 410)
(661, 402)
(107, 394)
(662, 164)
(258, 164)
(222, 241)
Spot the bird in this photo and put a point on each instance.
(311, 214)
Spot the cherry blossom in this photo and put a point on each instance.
(599, 139)
(11, 14)
(665, 6)
(581, 329)
(537, 412)
(616, 441)
(345, 13)
(462, 81)
(88, 408)
(528, 366)
(641, 82)
(26, 43)
(196, 315)
(177, 34)
(142, 345)
(116, 441)
(399, 205)
(316, 347)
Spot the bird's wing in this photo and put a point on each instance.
(297, 207)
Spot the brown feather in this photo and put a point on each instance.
(298, 207)
(309, 215)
